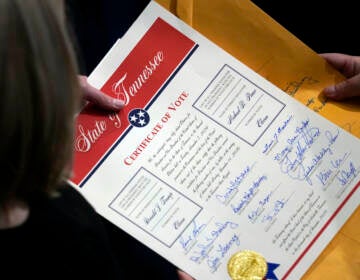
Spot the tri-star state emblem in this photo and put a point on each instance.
(138, 117)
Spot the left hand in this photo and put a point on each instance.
(349, 66)
(97, 97)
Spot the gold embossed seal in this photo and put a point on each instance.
(247, 265)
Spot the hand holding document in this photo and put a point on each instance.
(209, 164)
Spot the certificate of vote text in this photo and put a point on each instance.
(207, 158)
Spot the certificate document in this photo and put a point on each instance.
(209, 160)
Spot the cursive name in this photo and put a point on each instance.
(326, 174)
(248, 195)
(254, 214)
(186, 240)
(276, 135)
(236, 112)
(291, 159)
(156, 210)
(164, 199)
(337, 162)
(203, 248)
(222, 249)
(278, 205)
(346, 175)
(233, 188)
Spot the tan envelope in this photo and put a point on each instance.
(253, 37)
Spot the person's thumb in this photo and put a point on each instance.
(102, 100)
(345, 89)
(97, 97)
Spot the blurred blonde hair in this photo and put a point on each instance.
(39, 98)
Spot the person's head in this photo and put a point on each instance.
(39, 97)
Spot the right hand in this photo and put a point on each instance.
(349, 66)
(93, 95)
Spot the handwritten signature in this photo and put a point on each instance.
(187, 240)
(291, 157)
(248, 195)
(345, 176)
(276, 135)
(232, 189)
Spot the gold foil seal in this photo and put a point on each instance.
(247, 265)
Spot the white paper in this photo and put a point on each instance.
(222, 161)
